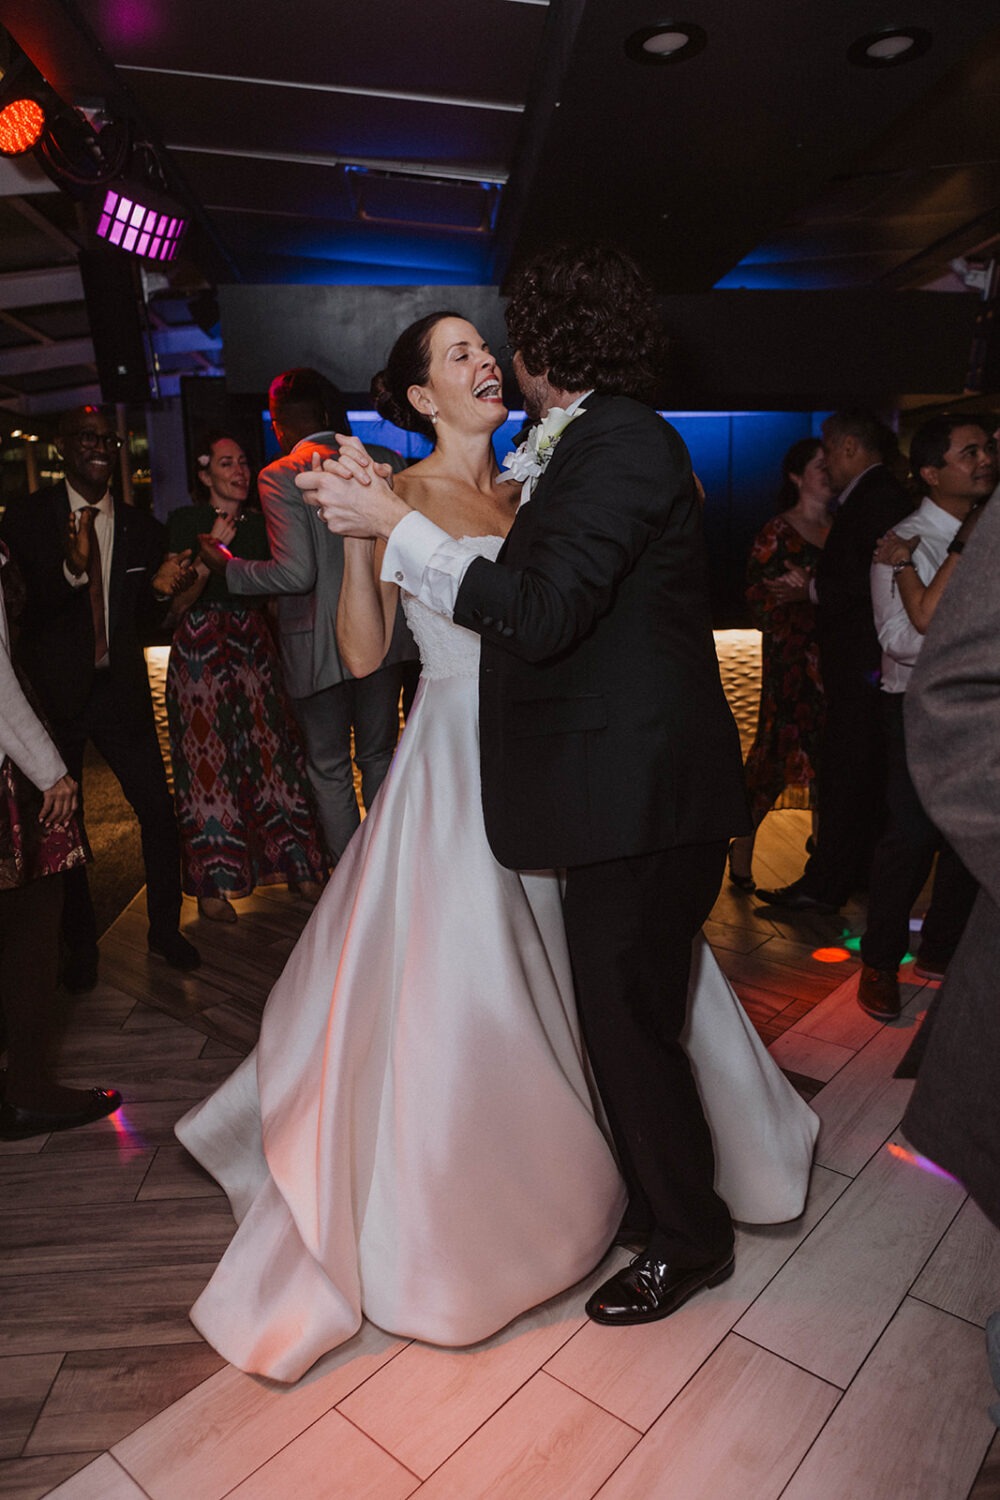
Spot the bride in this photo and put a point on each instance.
(416, 1138)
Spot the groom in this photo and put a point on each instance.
(607, 745)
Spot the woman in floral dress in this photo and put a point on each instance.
(239, 780)
(790, 719)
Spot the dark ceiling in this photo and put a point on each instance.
(410, 144)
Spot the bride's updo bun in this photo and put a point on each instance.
(408, 364)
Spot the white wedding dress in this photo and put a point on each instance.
(414, 1138)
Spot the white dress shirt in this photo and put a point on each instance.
(104, 522)
(899, 638)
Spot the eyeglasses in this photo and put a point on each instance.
(88, 438)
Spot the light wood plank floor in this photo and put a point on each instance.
(845, 1360)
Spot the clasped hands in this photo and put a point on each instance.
(891, 549)
(791, 588)
(352, 493)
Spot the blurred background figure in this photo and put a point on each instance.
(304, 572)
(39, 838)
(244, 814)
(790, 720)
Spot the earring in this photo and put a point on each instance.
(433, 416)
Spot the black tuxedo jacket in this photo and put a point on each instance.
(604, 728)
(850, 654)
(56, 641)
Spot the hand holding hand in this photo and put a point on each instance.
(59, 803)
(351, 494)
(891, 549)
(175, 574)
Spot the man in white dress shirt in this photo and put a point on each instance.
(955, 458)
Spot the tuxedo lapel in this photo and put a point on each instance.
(119, 561)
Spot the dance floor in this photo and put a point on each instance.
(845, 1360)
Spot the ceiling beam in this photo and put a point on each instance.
(41, 357)
(28, 211)
(38, 288)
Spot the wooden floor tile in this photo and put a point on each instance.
(636, 1372)
(25, 1382)
(798, 1052)
(202, 1446)
(175, 1174)
(427, 1401)
(826, 1308)
(861, 1107)
(545, 1442)
(101, 1395)
(963, 1274)
(914, 1421)
(332, 1459)
(739, 1428)
(101, 1480)
(31, 1478)
(99, 1309)
(35, 1242)
(85, 1177)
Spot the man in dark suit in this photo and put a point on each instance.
(851, 772)
(607, 744)
(97, 585)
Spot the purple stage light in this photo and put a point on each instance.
(139, 220)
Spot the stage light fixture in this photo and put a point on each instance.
(22, 124)
(133, 217)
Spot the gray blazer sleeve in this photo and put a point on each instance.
(953, 708)
(291, 568)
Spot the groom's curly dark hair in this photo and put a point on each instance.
(587, 316)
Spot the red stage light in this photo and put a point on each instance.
(21, 124)
(830, 955)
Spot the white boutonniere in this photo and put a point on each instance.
(528, 461)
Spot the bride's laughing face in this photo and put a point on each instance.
(463, 386)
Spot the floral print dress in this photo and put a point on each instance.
(790, 719)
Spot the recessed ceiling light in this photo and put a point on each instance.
(669, 42)
(889, 47)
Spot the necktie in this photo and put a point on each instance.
(95, 587)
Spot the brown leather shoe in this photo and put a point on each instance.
(878, 993)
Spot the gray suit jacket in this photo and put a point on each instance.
(953, 749)
(305, 572)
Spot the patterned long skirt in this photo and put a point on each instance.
(240, 789)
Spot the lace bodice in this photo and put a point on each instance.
(447, 649)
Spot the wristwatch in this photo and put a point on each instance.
(897, 568)
(957, 545)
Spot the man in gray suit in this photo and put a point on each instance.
(952, 735)
(305, 571)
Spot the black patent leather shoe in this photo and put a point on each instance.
(17, 1124)
(649, 1288)
(178, 952)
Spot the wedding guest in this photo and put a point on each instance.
(39, 839)
(242, 807)
(97, 587)
(790, 718)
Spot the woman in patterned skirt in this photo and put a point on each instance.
(239, 780)
(779, 571)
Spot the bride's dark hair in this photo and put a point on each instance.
(408, 364)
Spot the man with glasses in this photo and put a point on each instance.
(97, 586)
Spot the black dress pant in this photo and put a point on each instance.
(124, 732)
(630, 924)
(902, 862)
(850, 793)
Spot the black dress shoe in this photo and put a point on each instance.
(17, 1124)
(878, 993)
(745, 883)
(795, 898)
(178, 952)
(80, 972)
(649, 1288)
